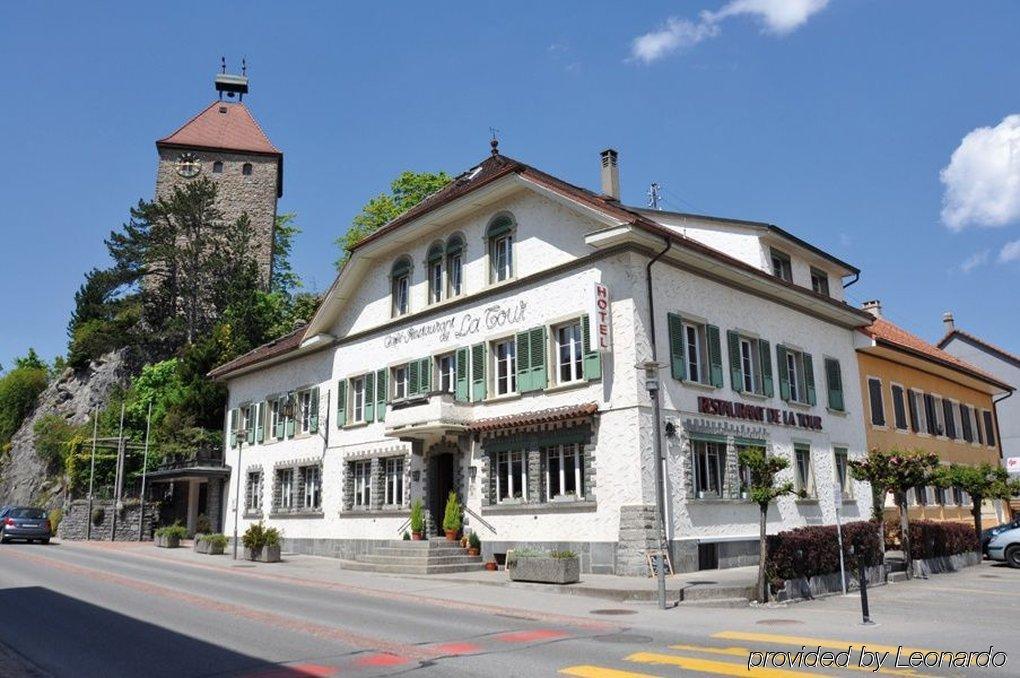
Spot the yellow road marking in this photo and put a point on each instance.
(586, 671)
(745, 653)
(712, 666)
(815, 642)
(986, 592)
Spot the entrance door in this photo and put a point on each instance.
(440, 484)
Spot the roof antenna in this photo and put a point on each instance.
(495, 140)
(223, 70)
(653, 196)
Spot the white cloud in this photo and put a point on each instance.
(1010, 252)
(975, 260)
(780, 17)
(982, 179)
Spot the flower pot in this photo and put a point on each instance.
(416, 536)
(196, 544)
(492, 566)
(451, 535)
(473, 552)
(266, 554)
(165, 542)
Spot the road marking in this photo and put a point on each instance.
(588, 671)
(381, 659)
(717, 667)
(746, 652)
(810, 642)
(455, 649)
(530, 636)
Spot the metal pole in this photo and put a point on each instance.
(119, 474)
(237, 491)
(865, 612)
(839, 536)
(660, 520)
(145, 468)
(92, 472)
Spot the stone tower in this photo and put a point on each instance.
(225, 143)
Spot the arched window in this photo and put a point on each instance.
(246, 169)
(400, 283)
(500, 235)
(217, 167)
(434, 259)
(454, 265)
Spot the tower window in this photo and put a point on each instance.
(246, 169)
(217, 167)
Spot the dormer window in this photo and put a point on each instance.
(400, 278)
(500, 235)
(434, 260)
(819, 281)
(454, 266)
(781, 267)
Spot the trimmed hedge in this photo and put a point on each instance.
(809, 551)
(933, 539)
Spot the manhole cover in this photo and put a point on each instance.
(625, 638)
(778, 622)
(614, 611)
(990, 576)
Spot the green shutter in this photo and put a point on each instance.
(313, 417)
(380, 395)
(784, 374)
(249, 434)
(714, 355)
(341, 402)
(809, 378)
(538, 350)
(678, 366)
(461, 390)
(834, 383)
(370, 397)
(478, 372)
(232, 428)
(523, 349)
(424, 376)
(736, 373)
(765, 362)
(592, 359)
(413, 381)
(278, 430)
(260, 420)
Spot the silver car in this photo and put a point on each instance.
(1005, 547)
(24, 522)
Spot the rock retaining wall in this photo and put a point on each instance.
(74, 525)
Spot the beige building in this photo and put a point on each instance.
(918, 397)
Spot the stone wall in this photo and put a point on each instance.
(74, 525)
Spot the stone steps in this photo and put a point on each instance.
(435, 555)
(429, 561)
(391, 568)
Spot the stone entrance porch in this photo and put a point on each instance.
(189, 487)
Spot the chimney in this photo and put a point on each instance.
(874, 307)
(610, 174)
(947, 320)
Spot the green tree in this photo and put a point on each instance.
(896, 471)
(19, 390)
(981, 482)
(55, 437)
(31, 360)
(765, 488)
(406, 191)
(284, 279)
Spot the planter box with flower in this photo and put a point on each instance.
(211, 544)
(170, 536)
(261, 544)
(553, 567)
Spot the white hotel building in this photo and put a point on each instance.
(454, 352)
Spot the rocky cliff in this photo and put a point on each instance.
(24, 477)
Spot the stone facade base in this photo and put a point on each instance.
(827, 584)
(692, 555)
(75, 523)
(922, 568)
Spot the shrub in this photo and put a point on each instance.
(19, 390)
(407, 536)
(176, 530)
(219, 540)
(562, 554)
(813, 550)
(417, 516)
(930, 539)
(202, 524)
(56, 515)
(54, 437)
(98, 515)
(451, 520)
(473, 541)
(258, 536)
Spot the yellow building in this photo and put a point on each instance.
(918, 397)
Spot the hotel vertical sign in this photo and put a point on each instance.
(600, 336)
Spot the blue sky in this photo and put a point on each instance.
(831, 119)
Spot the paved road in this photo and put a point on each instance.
(89, 610)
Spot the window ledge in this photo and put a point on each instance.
(501, 398)
(799, 405)
(375, 513)
(838, 413)
(298, 513)
(698, 385)
(357, 424)
(536, 508)
(252, 515)
(753, 396)
(722, 500)
(570, 385)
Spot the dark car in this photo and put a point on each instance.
(991, 533)
(23, 522)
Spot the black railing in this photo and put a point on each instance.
(210, 457)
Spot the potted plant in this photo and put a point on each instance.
(170, 536)
(202, 526)
(554, 567)
(261, 543)
(451, 520)
(211, 544)
(491, 565)
(417, 520)
(474, 544)
(407, 536)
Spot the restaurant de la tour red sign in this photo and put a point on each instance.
(766, 415)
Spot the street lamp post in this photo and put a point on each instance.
(651, 369)
(239, 436)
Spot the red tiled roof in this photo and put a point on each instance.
(223, 125)
(531, 418)
(884, 331)
(273, 349)
(981, 342)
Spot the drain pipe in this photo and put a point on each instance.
(995, 415)
(652, 386)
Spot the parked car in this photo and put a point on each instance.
(24, 522)
(1005, 546)
(986, 536)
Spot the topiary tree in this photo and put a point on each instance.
(980, 482)
(764, 490)
(452, 518)
(417, 517)
(897, 471)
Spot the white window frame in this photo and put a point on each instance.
(312, 480)
(358, 400)
(304, 419)
(501, 252)
(506, 384)
(393, 481)
(922, 416)
(401, 291)
(806, 485)
(748, 364)
(846, 483)
(794, 367)
(574, 349)
(704, 451)
(285, 476)
(455, 274)
(508, 459)
(447, 376)
(561, 453)
(399, 381)
(436, 281)
(253, 491)
(362, 471)
(940, 416)
(275, 415)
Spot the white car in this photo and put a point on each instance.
(1005, 546)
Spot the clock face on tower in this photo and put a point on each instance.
(188, 165)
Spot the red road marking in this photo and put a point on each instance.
(457, 648)
(382, 659)
(530, 636)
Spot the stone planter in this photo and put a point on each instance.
(267, 554)
(940, 564)
(196, 545)
(165, 542)
(821, 585)
(208, 548)
(545, 569)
